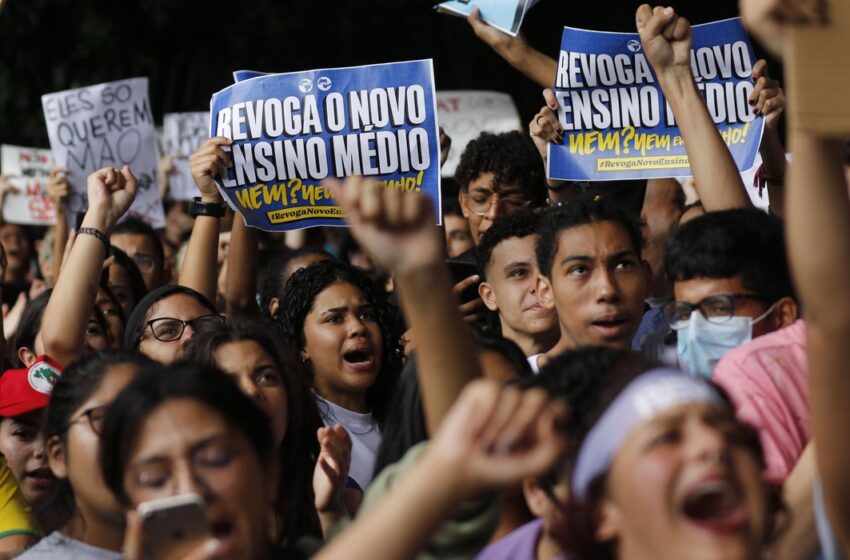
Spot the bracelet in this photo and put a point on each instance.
(198, 208)
(96, 233)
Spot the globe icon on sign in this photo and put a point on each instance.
(305, 85)
(633, 45)
(324, 83)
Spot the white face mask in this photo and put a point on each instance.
(701, 345)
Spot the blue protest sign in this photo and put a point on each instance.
(242, 75)
(292, 131)
(617, 123)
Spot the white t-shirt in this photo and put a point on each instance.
(532, 361)
(365, 438)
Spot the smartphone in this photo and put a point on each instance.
(175, 525)
(461, 270)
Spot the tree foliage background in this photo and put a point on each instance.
(188, 48)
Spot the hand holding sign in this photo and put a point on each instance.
(666, 39)
(767, 98)
(394, 227)
(57, 186)
(110, 194)
(545, 126)
(210, 162)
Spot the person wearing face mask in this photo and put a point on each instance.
(731, 284)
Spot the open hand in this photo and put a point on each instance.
(331, 472)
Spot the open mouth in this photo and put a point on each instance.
(360, 359)
(41, 478)
(225, 533)
(715, 505)
(612, 326)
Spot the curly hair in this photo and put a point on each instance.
(583, 210)
(296, 302)
(299, 447)
(516, 224)
(510, 156)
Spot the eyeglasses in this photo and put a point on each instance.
(95, 416)
(168, 329)
(716, 309)
(482, 204)
(146, 263)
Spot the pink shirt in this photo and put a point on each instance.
(768, 381)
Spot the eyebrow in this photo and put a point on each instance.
(193, 448)
(617, 255)
(516, 264)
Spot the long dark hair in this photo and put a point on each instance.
(134, 275)
(300, 447)
(157, 384)
(73, 388)
(297, 301)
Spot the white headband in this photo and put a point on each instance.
(647, 396)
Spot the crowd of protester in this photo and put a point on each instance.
(557, 372)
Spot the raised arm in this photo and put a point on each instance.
(535, 65)
(63, 328)
(666, 39)
(493, 437)
(241, 284)
(397, 230)
(200, 264)
(818, 214)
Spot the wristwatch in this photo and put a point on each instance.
(198, 208)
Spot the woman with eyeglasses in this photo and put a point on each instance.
(164, 321)
(80, 516)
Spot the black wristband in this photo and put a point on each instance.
(96, 233)
(198, 208)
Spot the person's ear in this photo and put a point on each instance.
(535, 497)
(608, 521)
(27, 356)
(274, 307)
(487, 296)
(56, 457)
(462, 201)
(544, 292)
(786, 313)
